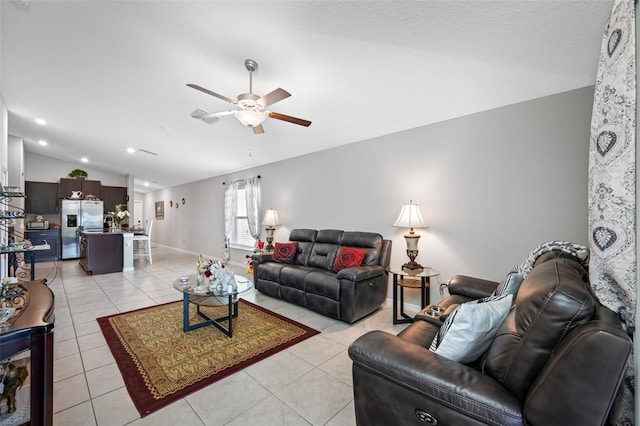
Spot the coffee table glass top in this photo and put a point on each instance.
(190, 287)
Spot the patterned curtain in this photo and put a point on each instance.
(612, 192)
(252, 191)
(230, 195)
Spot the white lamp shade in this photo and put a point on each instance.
(249, 118)
(271, 218)
(410, 217)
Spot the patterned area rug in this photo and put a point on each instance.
(161, 364)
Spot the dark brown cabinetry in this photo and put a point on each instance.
(50, 237)
(113, 195)
(101, 253)
(88, 187)
(42, 197)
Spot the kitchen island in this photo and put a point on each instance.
(106, 252)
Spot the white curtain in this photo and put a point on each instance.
(612, 199)
(252, 192)
(230, 195)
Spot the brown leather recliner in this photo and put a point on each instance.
(558, 359)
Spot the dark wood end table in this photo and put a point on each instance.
(410, 279)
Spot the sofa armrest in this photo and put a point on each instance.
(448, 382)
(361, 273)
(258, 258)
(474, 288)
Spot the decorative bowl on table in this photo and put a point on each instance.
(184, 280)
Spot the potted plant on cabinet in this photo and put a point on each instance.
(78, 174)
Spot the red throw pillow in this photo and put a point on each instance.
(348, 258)
(284, 252)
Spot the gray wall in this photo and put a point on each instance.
(40, 168)
(491, 186)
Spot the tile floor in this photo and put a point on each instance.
(307, 384)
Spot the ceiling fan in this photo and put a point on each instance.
(252, 107)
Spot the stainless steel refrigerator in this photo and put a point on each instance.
(78, 216)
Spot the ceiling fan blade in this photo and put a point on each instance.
(290, 119)
(209, 92)
(258, 129)
(273, 97)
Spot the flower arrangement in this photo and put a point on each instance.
(120, 214)
(215, 273)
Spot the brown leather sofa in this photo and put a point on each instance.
(557, 359)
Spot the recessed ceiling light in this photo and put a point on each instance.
(41, 122)
(42, 142)
(84, 159)
(131, 150)
(146, 184)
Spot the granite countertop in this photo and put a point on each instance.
(102, 233)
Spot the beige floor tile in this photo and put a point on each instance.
(78, 415)
(69, 392)
(91, 341)
(104, 379)
(316, 396)
(97, 357)
(345, 417)
(179, 413)
(278, 370)
(317, 349)
(87, 328)
(340, 367)
(227, 399)
(65, 348)
(271, 411)
(67, 367)
(115, 408)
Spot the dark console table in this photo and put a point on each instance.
(31, 328)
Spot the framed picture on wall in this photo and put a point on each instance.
(159, 209)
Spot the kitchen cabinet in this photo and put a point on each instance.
(42, 197)
(88, 187)
(101, 253)
(112, 195)
(52, 238)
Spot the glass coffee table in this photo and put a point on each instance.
(203, 296)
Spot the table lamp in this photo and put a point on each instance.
(410, 217)
(270, 221)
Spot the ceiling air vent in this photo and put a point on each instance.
(200, 115)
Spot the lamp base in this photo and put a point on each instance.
(269, 246)
(412, 267)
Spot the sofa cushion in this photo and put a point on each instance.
(468, 332)
(552, 300)
(348, 257)
(284, 252)
(269, 271)
(293, 276)
(305, 239)
(325, 249)
(510, 284)
(324, 283)
(369, 241)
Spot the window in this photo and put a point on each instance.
(241, 237)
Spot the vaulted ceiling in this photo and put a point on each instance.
(112, 75)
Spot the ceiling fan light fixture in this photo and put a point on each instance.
(249, 117)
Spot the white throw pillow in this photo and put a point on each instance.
(468, 332)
